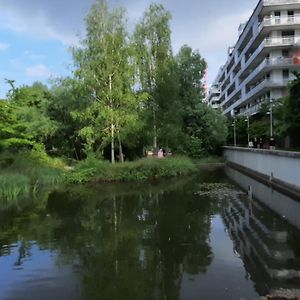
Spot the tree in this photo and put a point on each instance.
(12, 133)
(292, 110)
(191, 68)
(30, 104)
(153, 52)
(104, 64)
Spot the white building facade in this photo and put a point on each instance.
(262, 62)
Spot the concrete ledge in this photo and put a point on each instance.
(281, 186)
(265, 151)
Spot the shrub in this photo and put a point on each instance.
(96, 170)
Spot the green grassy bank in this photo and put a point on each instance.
(24, 174)
(94, 170)
(27, 172)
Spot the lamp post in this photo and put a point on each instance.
(271, 117)
(248, 127)
(234, 132)
(234, 127)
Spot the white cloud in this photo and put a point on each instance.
(39, 70)
(3, 46)
(38, 25)
(222, 32)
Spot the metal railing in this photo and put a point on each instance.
(271, 21)
(251, 110)
(277, 2)
(282, 41)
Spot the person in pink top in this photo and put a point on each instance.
(160, 153)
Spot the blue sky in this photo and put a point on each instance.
(36, 35)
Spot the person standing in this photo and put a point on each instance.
(272, 143)
(160, 153)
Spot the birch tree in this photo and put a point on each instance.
(153, 50)
(104, 64)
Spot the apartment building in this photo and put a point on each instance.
(262, 62)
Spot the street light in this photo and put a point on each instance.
(271, 117)
(248, 127)
(234, 128)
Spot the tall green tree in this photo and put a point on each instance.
(191, 68)
(13, 134)
(153, 52)
(292, 110)
(104, 64)
(29, 105)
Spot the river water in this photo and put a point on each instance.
(197, 237)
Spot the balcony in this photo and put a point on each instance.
(282, 41)
(280, 2)
(269, 62)
(250, 111)
(215, 105)
(279, 21)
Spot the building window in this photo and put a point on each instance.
(285, 53)
(287, 33)
(277, 14)
(285, 74)
(277, 17)
(290, 13)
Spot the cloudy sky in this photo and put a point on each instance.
(36, 35)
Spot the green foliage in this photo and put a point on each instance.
(30, 104)
(104, 64)
(28, 171)
(12, 186)
(153, 56)
(127, 91)
(206, 131)
(93, 169)
(191, 68)
(12, 136)
(291, 111)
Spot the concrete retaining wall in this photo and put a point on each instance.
(281, 167)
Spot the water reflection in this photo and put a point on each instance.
(163, 240)
(268, 245)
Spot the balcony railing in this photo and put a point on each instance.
(268, 83)
(250, 110)
(282, 41)
(278, 2)
(271, 21)
(277, 61)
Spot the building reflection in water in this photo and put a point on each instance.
(266, 242)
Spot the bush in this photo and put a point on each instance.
(13, 185)
(28, 171)
(96, 170)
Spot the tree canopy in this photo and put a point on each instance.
(127, 92)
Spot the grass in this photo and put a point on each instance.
(209, 160)
(144, 169)
(27, 172)
(13, 185)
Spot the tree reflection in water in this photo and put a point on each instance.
(133, 245)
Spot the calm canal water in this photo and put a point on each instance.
(189, 238)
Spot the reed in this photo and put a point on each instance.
(13, 185)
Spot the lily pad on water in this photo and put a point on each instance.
(218, 190)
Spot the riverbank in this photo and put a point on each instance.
(24, 174)
(95, 170)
